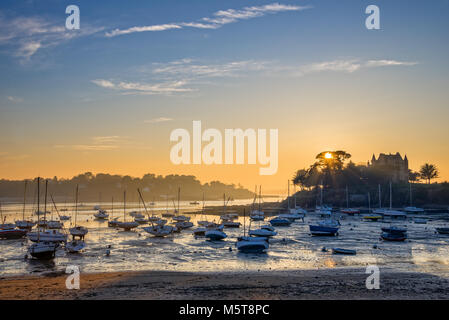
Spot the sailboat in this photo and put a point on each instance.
(167, 214)
(8, 230)
(183, 221)
(25, 224)
(112, 223)
(257, 215)
(412, 209)
(347, 210)
(45, 235)
(323, 210)
(126, 226)
(251, 244)
(77, 231)
(227, 218)
(158, 229)
(42, 249)
(100, 214)
(76, 245)
(295, 213)
(390, 213)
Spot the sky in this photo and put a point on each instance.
(106, 97)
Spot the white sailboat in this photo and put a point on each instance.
(46, 235)
(158, 229)
(411, 208)
(42, 249)
(113, 222)
(251, 244)
(126, 226)
(25, 224)
(77, 231)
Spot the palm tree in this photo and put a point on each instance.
(428, 172)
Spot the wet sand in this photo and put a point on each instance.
(166, 285)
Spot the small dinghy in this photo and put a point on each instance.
(262, 233)
(101, 215)
(75, 246)
(231, 224)
(160, 230)
(327, 227)
(200, 232)
(64, 218)
(183, 225)
(252, 245)
(181, 218)
(12, 233)
(394, 230)
(393, 236)
(43, 250)
(280, 222)
(343, 251)
(215, 235)
(372, 217)
(141, 220)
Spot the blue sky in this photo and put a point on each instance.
(273, 64)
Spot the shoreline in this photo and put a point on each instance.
(340, 284)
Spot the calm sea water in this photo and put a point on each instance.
(293, 248)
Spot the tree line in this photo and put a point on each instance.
(102, 187)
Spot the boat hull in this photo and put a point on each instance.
(323, 231)
(12, 234)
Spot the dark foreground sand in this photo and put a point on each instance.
(304, 284)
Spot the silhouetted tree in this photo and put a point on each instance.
(429, 172)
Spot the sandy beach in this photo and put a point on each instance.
(163, 285)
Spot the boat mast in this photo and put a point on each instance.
(321, 193)
(76, 204)
(38, 207)
(410, 193)
(260, 195)
(112, 207)
(369, 202)
(24, 199)
(144, 206)
(288, 194)
(244, 222)
(380, 198)
(391, 199)
(124, 206)
(347, 197)
(179, 197)
(45, 201)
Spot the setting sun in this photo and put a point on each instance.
(328, 155)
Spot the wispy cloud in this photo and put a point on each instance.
(217, 20)
(158, 120)
(350, 66)
(187, 68)
(187, 75)
(24, 36)
(144, 88)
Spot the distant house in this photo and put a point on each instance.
(393, 164)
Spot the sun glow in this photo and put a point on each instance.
(328, 155)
